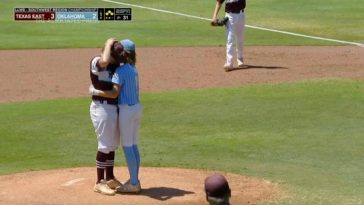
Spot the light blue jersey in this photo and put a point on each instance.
(127, 77)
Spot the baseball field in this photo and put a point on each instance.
(286, 129)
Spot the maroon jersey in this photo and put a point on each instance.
(234, 6)
(101, 79)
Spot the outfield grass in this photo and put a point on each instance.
(326, 18)
(305, 136)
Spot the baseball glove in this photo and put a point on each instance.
(220, 22)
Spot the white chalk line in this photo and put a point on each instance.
(249, 26)
(72, 182)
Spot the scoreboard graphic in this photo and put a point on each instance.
(72, 14)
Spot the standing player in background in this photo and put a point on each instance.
(103, 112)
(235, 27)
(126, 86)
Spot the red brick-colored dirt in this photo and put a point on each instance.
(62, 73)
(159, 186)
(28, 75)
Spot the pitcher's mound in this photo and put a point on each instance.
(159, 186)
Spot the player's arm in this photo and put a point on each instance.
(216, 11)
(106, 54)
(113, 93)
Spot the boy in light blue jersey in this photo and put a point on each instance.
(126, 77)
(126, 87)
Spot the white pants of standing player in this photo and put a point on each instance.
(129, 122)
(104, 118)
(235, 31)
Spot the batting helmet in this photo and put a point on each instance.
(216, 186)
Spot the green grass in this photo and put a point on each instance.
(307, 136)
(45, 134)
(326, 18)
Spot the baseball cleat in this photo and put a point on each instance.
(103, 188)
(240, 62)
(113, 183)
(228, 67)
(129, 188)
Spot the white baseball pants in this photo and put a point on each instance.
(129, 122)
(104, 118)
(235, 31)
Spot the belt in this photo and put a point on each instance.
(106, 102)
(236, 12)
(129, 104)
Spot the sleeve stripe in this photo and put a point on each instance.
(94, 65)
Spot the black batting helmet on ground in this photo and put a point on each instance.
(216, 186)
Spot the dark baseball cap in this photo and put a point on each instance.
(217, 186)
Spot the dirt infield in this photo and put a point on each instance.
(160, 186)
(28, 75)
(62, 73)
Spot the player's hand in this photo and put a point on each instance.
(106, 54)
(110, 41)
(214, 22)
(92, 91)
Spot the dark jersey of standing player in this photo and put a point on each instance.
(101, 79)
(234, 6)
